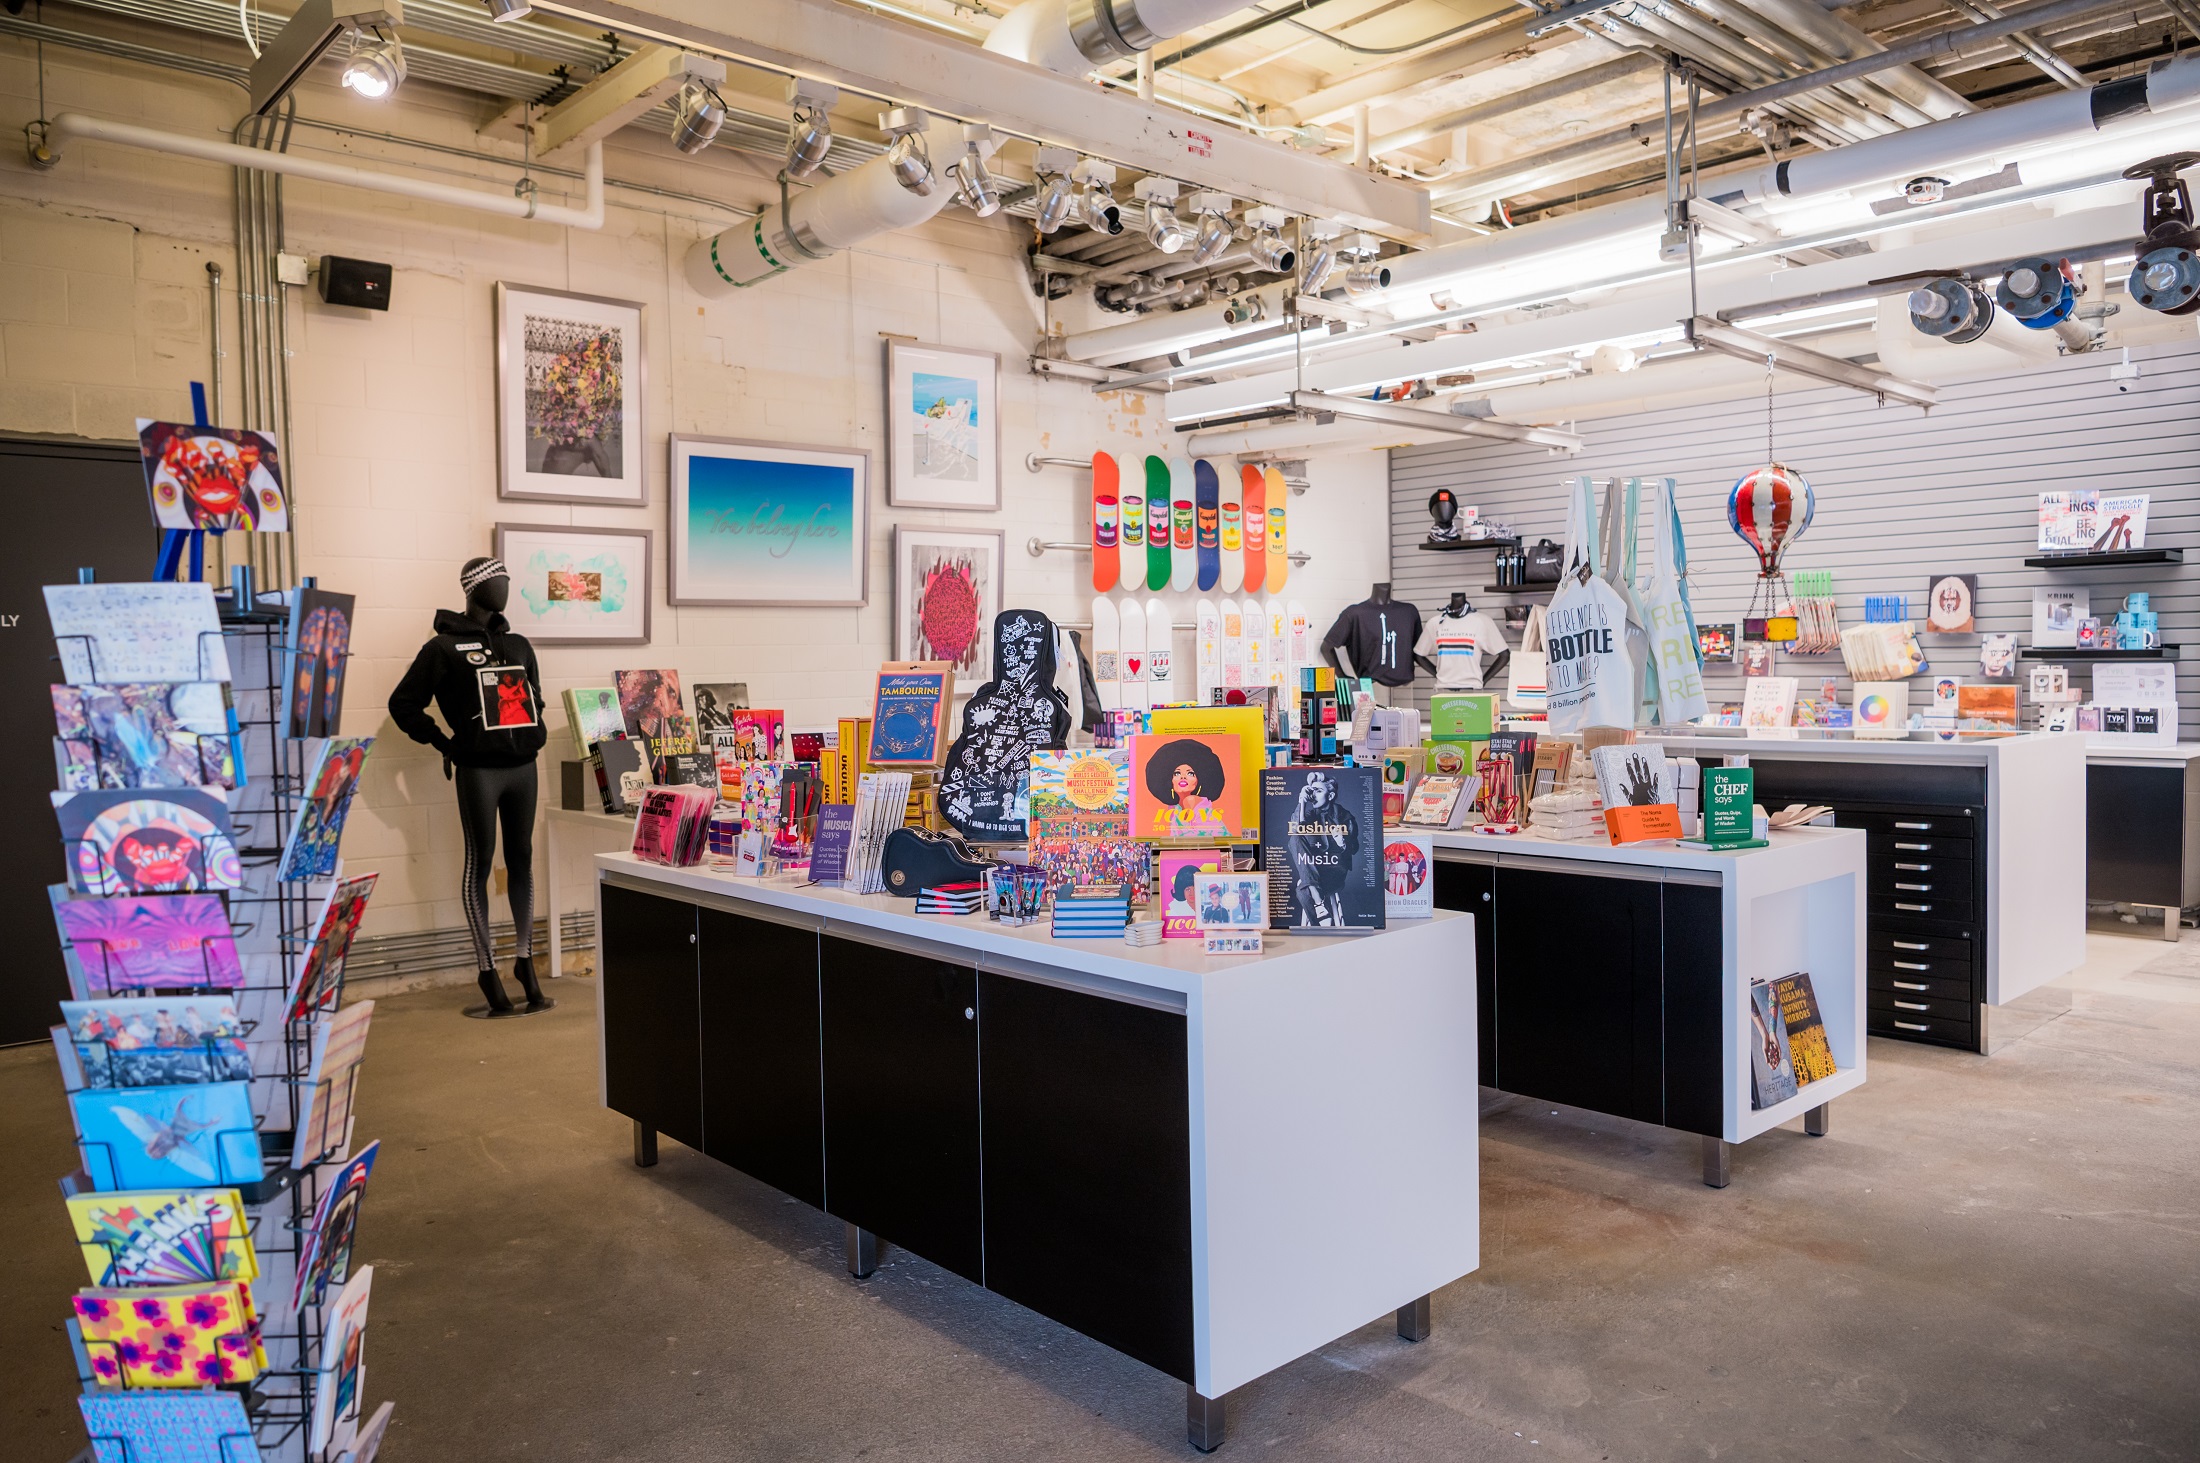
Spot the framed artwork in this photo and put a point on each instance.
(768, 523)
(947, 590)
(577, 586)
(943, 427)
(570, 373)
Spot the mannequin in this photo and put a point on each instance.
(1458, 605)
(1443, 512)
(1380, 632)
(483, 679)
(1467, 646)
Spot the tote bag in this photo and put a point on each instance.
(1675, 666)
(1525, 689)
(1590, 678)
(1622, 508)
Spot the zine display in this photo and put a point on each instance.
(319, 654)
(1278, 567)
(1106, 527)
(125, 841)
(1254, 488)
(343, 1339)
(167, 1137)
(985, 787)
(1107, 653)
(1137, 685)
(1207, 641)
(1233, 533)
(1158, 495)
(157, 1041)
(909, 713)
(149, 942)
(163, 734)
(324, 1111)
(310, 852)
(320, 982)
(167, 1426)
(1184, 537)
(164, 1237)
(1131, 553)
(172, 1335)
(324, 1250)
(1321, 848)
(1207, 523)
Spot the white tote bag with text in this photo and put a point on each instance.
(1587, 668)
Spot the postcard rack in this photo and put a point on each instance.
(272, 921)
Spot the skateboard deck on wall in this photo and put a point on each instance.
(1106, 522)
(1131, 538)
(1233, 644)
(1157, 522)
(1255, 487)
(1184, 559)
(1207, 642)
(1301, 641)
(1278, 626)
(1256, 642)
(1207, 523)
(1137, 690)
(1279, 566)
(1160, 653)
(1233, 533)
(1107, 657)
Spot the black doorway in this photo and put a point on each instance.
(74, 504)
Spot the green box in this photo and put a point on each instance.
(1462, 716)
(1729, 795)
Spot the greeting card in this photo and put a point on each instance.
(144, 942)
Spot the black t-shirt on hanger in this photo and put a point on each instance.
(1377, 640)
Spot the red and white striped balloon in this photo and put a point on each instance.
(1769, 510)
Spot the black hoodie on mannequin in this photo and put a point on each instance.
(448, 671)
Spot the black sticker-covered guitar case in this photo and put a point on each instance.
(1008, 718)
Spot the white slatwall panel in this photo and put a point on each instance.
(1901, 495)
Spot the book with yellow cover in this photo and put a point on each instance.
(1806, 1028)
(1249, 725)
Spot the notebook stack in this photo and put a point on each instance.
(1142, 932)
(952, 899)
(1091, 912)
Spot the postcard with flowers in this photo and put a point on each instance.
(171, 1336)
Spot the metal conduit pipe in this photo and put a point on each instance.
(1433, 127)
(1844, 42)
(1828, 121)
(1068, 37)
(1153, 335)
(1798, 52)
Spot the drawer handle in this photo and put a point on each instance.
(1915, 868)
(1911, 1026)
(1916, 888)
(1910, 945)
(1914, 908)
(1911, 1006)
(1911, 965)
(1911, 985)
(1915, 847)
(1915, 827)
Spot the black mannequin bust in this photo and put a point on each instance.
(1443, 512)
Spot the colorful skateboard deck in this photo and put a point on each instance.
(1233, 644)
(1107, 653)
(1256, 642)
(1157, 522)
(1279, 567)
(1106, 522)
(1207, 522)
(1278, 625)
(1255, 487)
(1233, 533)
(1184, 559)
(1160, 653)
(1137, 690)
(1301, 642)
(1207, 643)
(1131, 539)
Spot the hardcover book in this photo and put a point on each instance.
(1637, 787)
(1409, 876)
(321, 978)
(167, 1426)
(1769, 701)
(324, 1111)
(164, 1237)
(1176, 881)
(310, 852)
(714, 701)
(909, 713)
(654, 715)
(1808, 1047)
(1249, 725)
(113, 633)
(133, 841)
(161, 1041)
(1771, 1070)
(150, 942)
(201, 1335)
(1187, 789)
(167, 1137)
(620, 774)
(593, 714)
(160, 734)
(1321, 848)
(319, 654)
(1439, 800)
(324, 1250)
(1084, 793)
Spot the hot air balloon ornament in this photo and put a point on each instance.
(1769, 509)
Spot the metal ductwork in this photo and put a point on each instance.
(1068, 37)
(1162, 332)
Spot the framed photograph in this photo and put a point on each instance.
(577, 586)
(943, 427)
(947, 589)
(570, 373)
(768, 523)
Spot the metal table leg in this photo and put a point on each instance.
(1714, 1162)
(2172, 919)
(1818, 1119)
(645, 1145)
(1413, 1320)
(1204, 1419)
(862, 1252)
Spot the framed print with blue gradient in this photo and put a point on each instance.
(768, 523)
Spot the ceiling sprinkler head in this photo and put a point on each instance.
(1920, 191)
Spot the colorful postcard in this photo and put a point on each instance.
(310, 852)
(116, 633)
(321, 978)
(909, 713)
(151, 943)
(339, 1047)
(1229, 900)
(125, 841)
(220, 478)
(1716, 639)
(167, 1137)
(172, 1335)
(320, 652)
(324, 1256)
(158, 1041)
(1176, 883)
(166, 734)
(343, 1342)
(164, 1237)
(1409, 869)
(170, 1426)
(1187, 788)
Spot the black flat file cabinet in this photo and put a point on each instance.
(2142, 834)
(1031, 1138)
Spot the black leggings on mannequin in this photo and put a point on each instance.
(487, 796)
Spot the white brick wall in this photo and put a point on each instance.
(103, 318)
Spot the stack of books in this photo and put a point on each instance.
(923, 810)
(1091, 912)
(966, 898)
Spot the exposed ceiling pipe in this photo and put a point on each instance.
(1068, 37)
(1844, 42)
(1314, 434)
(1460, 58)
(1153, 335)
(1430, 128)
(588, 216)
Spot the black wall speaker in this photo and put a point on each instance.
(360, 282)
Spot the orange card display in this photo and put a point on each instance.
(1186, 788)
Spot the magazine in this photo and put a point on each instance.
(1321, 847)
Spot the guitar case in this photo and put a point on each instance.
(1008, 718)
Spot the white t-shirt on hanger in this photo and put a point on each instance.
(1462, 647)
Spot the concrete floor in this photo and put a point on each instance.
(1986, 1259)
